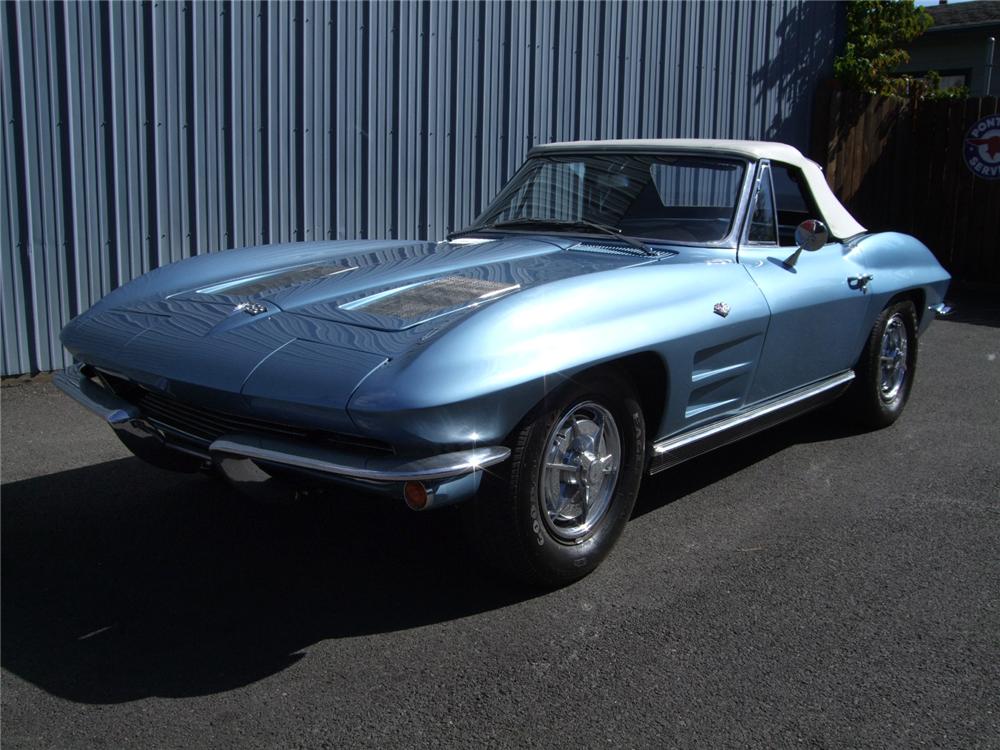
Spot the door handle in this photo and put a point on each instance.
(860, 282)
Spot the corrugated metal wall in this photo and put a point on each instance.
(136, 134)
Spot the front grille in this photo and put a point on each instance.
(207, 425)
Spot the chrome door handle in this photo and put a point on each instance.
(860, 282)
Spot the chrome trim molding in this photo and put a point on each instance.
(674, 450)
(301, 455)
(83, 390)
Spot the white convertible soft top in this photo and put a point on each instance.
(839, 221)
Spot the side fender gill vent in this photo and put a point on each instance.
(417, 301)
(268, 282)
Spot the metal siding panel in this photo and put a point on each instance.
(405, 124)
(325, 128)
(438, 135)
(287, 106)
(16, 355)
(466, 145)
(742, 72)
(637, 60)
(8, 246)
(344, 122)
(660, 40)
(162, 193)
(723, 81)
(609, 71)
(119, 147)
(56, 271)
(139, 118)
(33, 243)
(709, 61)
(380, 39)
(82, 149)
(217, 94)
(239, 159)
(177, 65)
(271, 162)
(311, 49)
(198, 124)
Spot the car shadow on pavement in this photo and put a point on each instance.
(120, 581)
(975, 305)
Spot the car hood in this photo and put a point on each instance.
(306, 323)
(398, 286)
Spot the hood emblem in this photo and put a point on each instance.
(250, 308)
(721, 308)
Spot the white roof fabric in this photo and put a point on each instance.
(838, 220)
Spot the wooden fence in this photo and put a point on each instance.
(898, 165)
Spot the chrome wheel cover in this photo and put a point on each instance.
(580, 470)
(893, 358)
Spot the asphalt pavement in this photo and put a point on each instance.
(811, 587)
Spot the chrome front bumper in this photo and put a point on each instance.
(391, 469)
(102, 402)
(370, 469)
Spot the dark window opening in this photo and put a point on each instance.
(793, 200)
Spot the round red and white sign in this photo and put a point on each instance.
(982, 148)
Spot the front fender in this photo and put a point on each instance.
(476, 380)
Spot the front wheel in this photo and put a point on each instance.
(562, 499)
(887, 366)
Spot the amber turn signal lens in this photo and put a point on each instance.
(415, 495)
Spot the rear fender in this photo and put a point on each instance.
(901, 265)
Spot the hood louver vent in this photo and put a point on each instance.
(248, 287)
(418, 301)
(612, 248)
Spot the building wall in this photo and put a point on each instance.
(963, 50)
(138, 134)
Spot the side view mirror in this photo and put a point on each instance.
(811, 235)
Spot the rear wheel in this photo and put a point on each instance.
(887, 366)
(562, 499)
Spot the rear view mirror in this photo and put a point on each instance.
(811, 235)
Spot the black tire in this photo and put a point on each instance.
(505, 521)
(873, 405)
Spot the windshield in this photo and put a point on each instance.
(677, 198)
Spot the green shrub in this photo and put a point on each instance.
(877, 33)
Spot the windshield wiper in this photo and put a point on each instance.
(529, 222)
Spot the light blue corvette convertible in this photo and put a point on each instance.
(620, 307)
